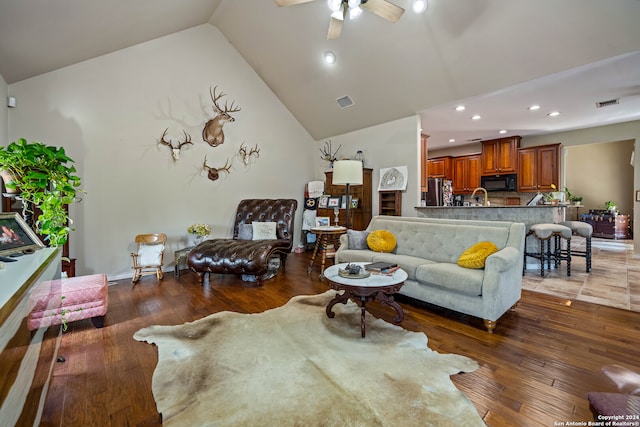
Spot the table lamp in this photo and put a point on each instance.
(347, 172)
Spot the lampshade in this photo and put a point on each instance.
(347, 172)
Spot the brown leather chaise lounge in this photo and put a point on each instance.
(248, 257)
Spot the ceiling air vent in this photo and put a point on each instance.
(607, 103)
(345, 101)
(474, 140)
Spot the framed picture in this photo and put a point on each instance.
(393, 178)
(323, 201)
(322, 221)
(16, 235)
(334, 202)
(354, 202)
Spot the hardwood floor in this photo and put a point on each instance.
(535, 370)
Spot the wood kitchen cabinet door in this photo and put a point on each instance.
(500, 156)
(466, 173)
(538, 168)
(439, 167)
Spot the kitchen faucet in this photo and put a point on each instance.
(486, 196)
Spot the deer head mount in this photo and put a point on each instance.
(212, 132)
(246, 157)
(175, 149)
(214, 173)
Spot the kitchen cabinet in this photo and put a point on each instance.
(466, 173)
(500, 156)
(440, 167)
(424, 164)
(538, 168)
(360, 217)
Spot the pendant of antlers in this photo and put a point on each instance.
(246, 157)
(212, 132)
(214, 173)
(175, 149)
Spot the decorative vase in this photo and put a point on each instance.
(7, 177)
(199, 239)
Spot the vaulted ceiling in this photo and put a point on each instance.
(496, 57)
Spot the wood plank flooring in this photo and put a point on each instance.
(535, 370)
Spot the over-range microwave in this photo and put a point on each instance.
(499, 182)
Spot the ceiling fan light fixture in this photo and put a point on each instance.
(419, 6)
(353, 4)
(335, 5)
(338, 14)
(354, 12)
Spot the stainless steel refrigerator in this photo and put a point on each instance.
(434, 192)
(439, 192)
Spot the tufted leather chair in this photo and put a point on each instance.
(248, 257)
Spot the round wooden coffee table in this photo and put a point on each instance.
(379, 287)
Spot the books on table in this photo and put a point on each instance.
(381, 267)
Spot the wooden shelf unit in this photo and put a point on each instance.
(390, 202)
(360, 217)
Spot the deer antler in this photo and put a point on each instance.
(215, 98)
(175, 151)
(214, 173)
(247, 156)
(162, 141)
(187, 140)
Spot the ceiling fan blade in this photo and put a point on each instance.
(335, 28)
(291, 2)
(384, 9)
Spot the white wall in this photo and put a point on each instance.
(395, 143)
(109, 113)
(4, 118)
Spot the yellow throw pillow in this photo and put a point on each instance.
(381, 241)
(476, 255)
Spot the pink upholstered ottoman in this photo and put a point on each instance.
(69, 299)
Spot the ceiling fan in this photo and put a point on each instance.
(341, 8)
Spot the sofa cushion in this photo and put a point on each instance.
(245, 231)
(406, 262)
(451, 276)
(381, 241)
(357, 239)
(476, 255)
(264, 230)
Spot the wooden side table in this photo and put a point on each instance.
(325, 237)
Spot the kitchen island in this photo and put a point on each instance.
(529, 215)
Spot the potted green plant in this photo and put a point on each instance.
(46, 180)
(610, 206)
(572, 197)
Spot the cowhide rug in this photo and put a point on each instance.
(293, 366)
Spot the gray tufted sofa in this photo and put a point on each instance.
(428, 250)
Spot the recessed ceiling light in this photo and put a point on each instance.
(476, 117)
(329, 58)
(553, 114)
(452, 140)
(419, 6)
(502, 131)
(460, 108)
(533, 108)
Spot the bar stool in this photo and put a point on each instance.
(585, 230)
(545, 233)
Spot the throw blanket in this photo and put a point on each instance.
(293, 366)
